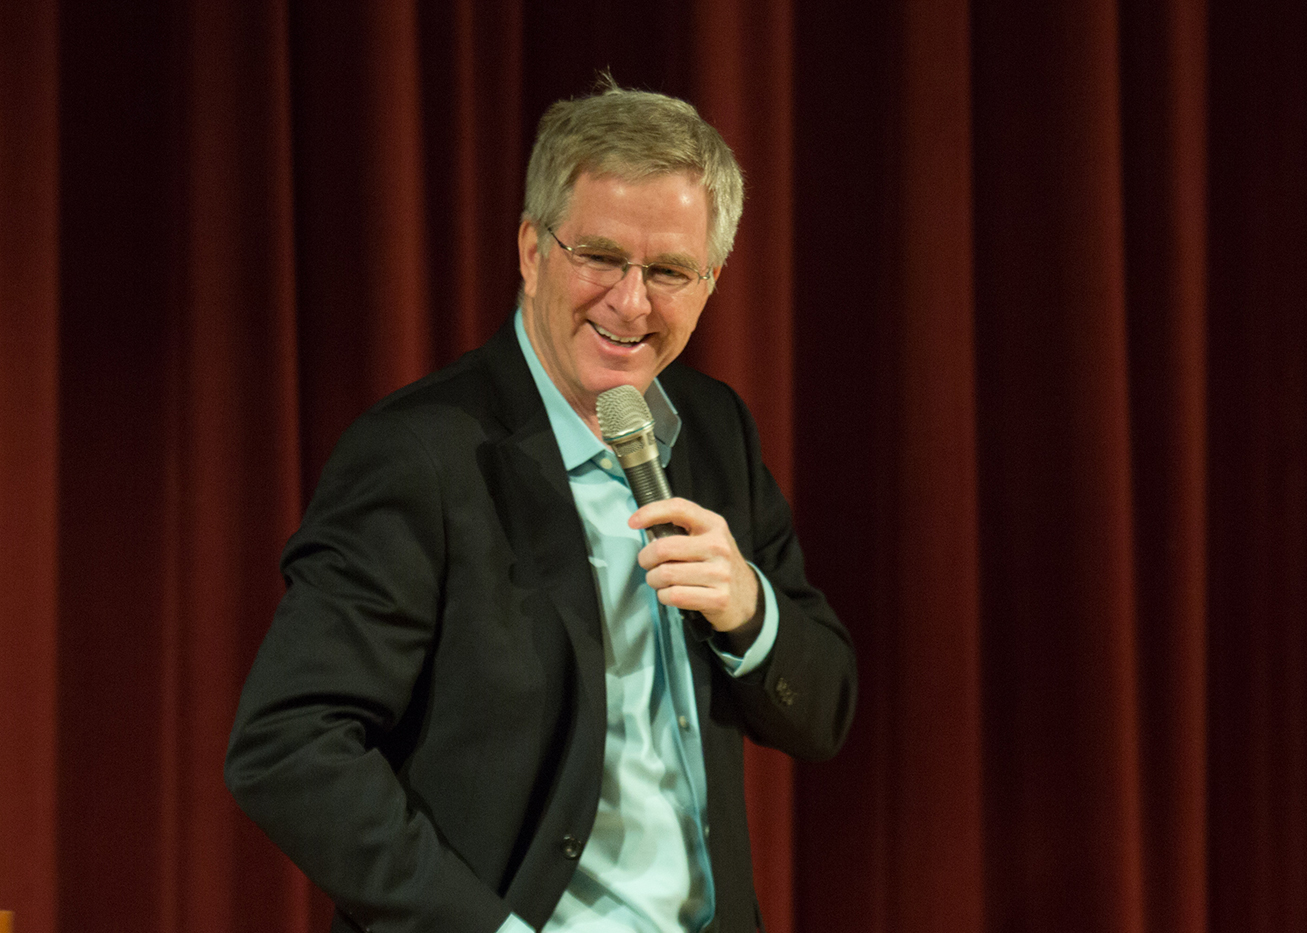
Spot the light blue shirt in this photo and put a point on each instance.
(645, 867)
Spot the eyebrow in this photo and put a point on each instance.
(675, 259)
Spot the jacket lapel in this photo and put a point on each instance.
(679, 476)
(544, 518)
(539, 514)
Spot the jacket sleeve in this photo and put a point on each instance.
(333, 678)
(801, 700)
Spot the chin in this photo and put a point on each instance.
(610, 378)
(641, 381)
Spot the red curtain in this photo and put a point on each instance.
(1019, 301)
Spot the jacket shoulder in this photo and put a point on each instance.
(490, 387)
(701, 400)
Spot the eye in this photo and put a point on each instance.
(670, 275)
(599, 259)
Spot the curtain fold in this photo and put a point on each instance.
(890, 833)
(234, 419)
(29, 461)
(1257, 468)
(1017, 301)
(1057, 539)
(1164, 127)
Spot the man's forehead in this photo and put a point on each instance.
(612, 195)
(626, 176)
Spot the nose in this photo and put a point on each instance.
(629, 297)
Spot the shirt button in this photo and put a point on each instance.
(606, 463)
(571, 847)
(684, 723)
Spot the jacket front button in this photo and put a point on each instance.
(571, 846)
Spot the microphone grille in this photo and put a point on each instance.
(621, 410)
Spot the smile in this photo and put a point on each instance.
(609, 335)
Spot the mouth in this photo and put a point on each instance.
(609, 336)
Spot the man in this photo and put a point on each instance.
(478, 707)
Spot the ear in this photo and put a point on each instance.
(528, 257)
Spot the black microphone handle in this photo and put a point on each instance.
(649, 484)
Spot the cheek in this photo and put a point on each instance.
(682, 326)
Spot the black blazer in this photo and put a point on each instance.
(423, 729)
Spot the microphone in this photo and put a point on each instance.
(627, 427)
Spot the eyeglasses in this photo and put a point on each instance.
(607, 268)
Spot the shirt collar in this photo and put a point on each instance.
(576, 441)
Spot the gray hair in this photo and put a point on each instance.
(631, 135)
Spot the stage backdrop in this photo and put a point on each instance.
(1018, 301)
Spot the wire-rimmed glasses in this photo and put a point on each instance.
(606, 267)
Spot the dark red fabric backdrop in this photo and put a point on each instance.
(1019, 301)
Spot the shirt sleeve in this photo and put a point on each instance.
(738, 665)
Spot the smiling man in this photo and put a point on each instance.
(479, 707)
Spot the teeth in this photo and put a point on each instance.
(616, 339)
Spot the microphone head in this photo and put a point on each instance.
(622, 410)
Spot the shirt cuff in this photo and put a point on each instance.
(514, 924)
(738, 666)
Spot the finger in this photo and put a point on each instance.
(704, 546)
(671, 548)
(675, 511)
(706, 599)
(706, 573)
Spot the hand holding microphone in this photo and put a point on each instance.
(692, 560)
